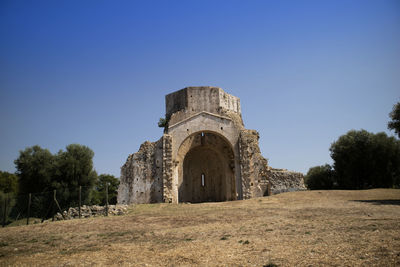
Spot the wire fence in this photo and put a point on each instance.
(38, 207)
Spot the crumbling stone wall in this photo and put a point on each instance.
(168, 195)
(141, 175)
(257, 175)
(91, 211)
(282, 180)
(253, 165)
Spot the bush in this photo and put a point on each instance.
(320, 177)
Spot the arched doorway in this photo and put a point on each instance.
(206, 171)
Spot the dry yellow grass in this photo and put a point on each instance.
(310, 228)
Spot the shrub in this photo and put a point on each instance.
(320, 177)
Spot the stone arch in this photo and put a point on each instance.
(206, 168)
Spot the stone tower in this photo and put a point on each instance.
(205, 154)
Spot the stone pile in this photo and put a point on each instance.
(91, 211)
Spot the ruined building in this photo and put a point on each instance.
(205, 154)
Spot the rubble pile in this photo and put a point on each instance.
(91, 211)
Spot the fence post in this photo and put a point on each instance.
(79, 208)
(59, 208)
(29, 209)
(50, 209)
(5, 210)
(53, 210)
(106, 199)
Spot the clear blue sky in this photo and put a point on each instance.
(96, 72)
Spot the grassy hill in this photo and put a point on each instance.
(343, 228)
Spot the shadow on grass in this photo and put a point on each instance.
(381, 201)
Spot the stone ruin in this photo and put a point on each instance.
(205, 154)
(90, 211)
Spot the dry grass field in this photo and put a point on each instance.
(309, 228)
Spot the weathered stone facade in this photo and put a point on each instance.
(285, 181)
(253, 165)
(142, 176)
(205, 154)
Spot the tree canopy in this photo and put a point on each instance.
(8, 183)
(320, 177)
(366, 160)
(8, 190)
(394, 124)
(41, 171)
(100, 192)
(74, 168)
(35, 169)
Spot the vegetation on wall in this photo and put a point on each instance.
(163, 123)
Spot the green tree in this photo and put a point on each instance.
(74, 168)
(35, 167)
(385, 161)
(8, 191)
(8, 183)
(320, 177)
(9, 200)
(366, 160)
(394, 124)
(41, 172)
(100, 189)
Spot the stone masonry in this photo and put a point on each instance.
(205, 154)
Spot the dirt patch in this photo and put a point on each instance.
(336, 228)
